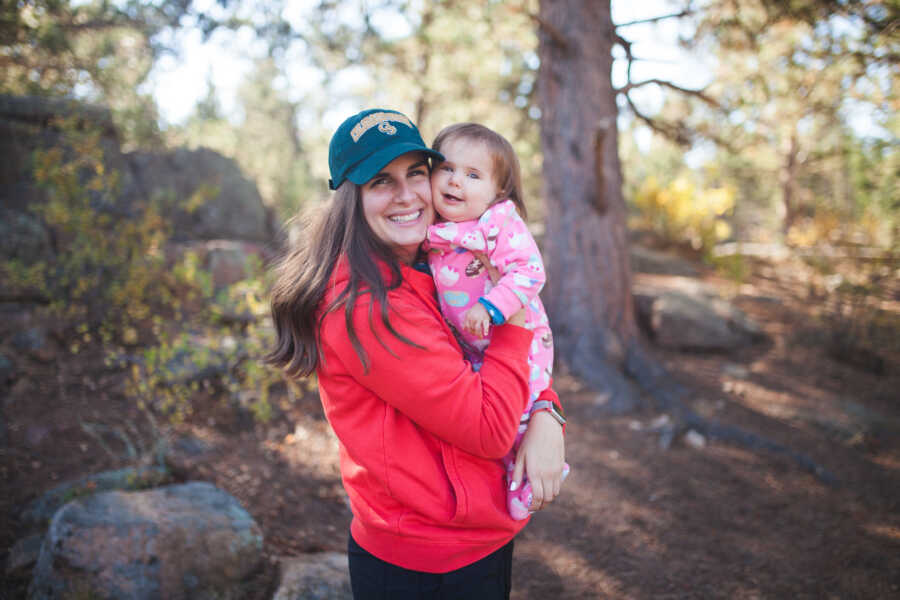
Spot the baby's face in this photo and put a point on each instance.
(463, 186)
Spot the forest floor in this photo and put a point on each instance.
(634, 520)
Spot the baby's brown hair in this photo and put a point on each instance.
(505, 163)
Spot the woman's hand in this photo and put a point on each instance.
(541, 455)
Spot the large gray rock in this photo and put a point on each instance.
(29, 123)
(227, 261)
(212, 198)
(189, 541)
(39, 511)
(23, 236)
(319, 576)
(205, 193)
(23, 554)
(685, 314)
(645, 260)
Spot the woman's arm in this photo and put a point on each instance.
(542, 455)
(432, 384)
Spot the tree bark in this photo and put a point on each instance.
(588, 292)
(789, 184)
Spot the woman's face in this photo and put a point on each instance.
(397, 204)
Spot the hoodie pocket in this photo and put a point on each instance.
(448, 455)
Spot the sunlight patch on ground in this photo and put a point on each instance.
(569, 564)
(311, 445)
(891, 532)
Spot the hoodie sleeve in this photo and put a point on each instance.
(430, 382)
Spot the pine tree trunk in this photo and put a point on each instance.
(788, 184)
(588, 294)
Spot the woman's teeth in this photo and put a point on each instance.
(406, 218)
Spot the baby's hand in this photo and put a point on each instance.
(477, 321)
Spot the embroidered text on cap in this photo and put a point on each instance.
(381, 120)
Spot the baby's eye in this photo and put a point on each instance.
(474, 175)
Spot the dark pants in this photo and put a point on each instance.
(373, 579)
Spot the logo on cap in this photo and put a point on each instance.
(386, 127)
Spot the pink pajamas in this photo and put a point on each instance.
(502, 236)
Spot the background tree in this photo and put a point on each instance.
(832, 62)
(588, 293)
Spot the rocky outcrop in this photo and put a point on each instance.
(645, 260)
(684, 314)
(188, 541)
(213, 199)
(319, 576)
(207, 195)
(39, 512)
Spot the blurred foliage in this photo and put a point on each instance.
(103, 50)
(113, 281)
(680, 211)
(791, 80)
(108, 273)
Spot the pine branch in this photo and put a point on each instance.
(677, 133)
(558, 38)
(661, 82)
(678, 15)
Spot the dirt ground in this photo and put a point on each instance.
(634, 520)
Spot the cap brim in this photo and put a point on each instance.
(370, 167)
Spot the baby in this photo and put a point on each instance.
(477, 191)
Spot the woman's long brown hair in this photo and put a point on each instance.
(303, 275)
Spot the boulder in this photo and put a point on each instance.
(685, 314)
(34, 342)
(179, 542)
(211, 197)
(227, 261)
(23, 554)
(204, 193)
(318, 576)
(23, 236)
(645, 260)
(7, 369)
(39, 512)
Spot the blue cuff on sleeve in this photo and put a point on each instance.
(497, 317)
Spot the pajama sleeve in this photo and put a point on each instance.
(518, 259)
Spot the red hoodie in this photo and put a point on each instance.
(420, 432)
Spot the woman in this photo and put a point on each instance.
(420, 433)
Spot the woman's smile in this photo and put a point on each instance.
(406, 219)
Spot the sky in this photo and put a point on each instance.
(179, 81)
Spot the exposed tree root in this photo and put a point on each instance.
(667, 395)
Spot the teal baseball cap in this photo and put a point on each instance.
(367, 141)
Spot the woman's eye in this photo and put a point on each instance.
(446, 168)
(379, 181)
(417, 173)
